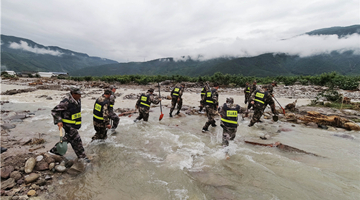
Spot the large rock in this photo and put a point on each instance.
(6, 171)
(8, 183)
(15, 175)
(31, 178)
(29, 165)
(41, 166)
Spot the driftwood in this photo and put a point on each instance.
(283, 147)
(336, 121)
(127, 113)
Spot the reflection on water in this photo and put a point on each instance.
(173, 159)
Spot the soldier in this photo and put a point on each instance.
(67, 115)
(229, 117)
(252, 90)
(202, 96)
(247, 92)
(101, 118)
(114, 117)
(271, 88)
(211, 105)
(143, 104)
(260, 99)
(176, 95)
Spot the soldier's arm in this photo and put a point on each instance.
(106, 114)
(238, 108)
(137, 103)
(57, 111)
(181, 92)
(154, 100)
(222, 111)
(216, 98)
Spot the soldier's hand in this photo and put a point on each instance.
(108, 126)
(159, 99)
(60, 125)
(252, 102)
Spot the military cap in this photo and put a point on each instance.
(107, 91)
(75, 90)
(274, 82)
(254, 81)
(113, 87)
(151, 90)
(229, 100)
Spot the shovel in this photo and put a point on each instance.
(161, 115)
(61, 147)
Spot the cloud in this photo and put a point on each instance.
(24, 46)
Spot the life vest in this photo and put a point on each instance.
(203, 92)
(75, 114)
(145, 100)
(231, 117)
(247, 89)
(98, 110)
(260, 96)
(175, 91)
(209, 100)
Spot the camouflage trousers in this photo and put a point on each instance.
(202, 104)
(174, 101)
(229, 133)
(210, 114)
(143, 114)
(258, 112)
(101, 133)
(247, 97)
(72, 136)
(115, 119)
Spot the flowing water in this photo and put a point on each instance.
(173, 159)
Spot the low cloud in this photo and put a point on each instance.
(25, 46)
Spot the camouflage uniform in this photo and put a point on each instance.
(202, 96)
(260, 105)
(211, 108)
(229, 129)
(252, 90)
(62, 112)
(101, 117)
(113, 116)
(247, 93)
(176, 99)
(144, 105)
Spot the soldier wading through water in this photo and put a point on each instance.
(113, 116)
(176, 98)
(143, 104)
(229, 120)
(101, 115)
(211, 105)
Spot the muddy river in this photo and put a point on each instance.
(173, 159)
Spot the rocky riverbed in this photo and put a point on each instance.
(27, 171)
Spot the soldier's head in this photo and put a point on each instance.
(229, 100)
(216, 85)
(264, 87)
(113, 88)
(247, 83)
(75, 93)
(274, 83)
(107, 93)
(182, 85)
(151, 90)
(254, 82)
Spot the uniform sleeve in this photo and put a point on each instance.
(138, 102)
(222, 111)
(216, 98)
(154, 100)
(181, 92)
(106, 114)
(238, 108)
(112, 99)
(57, 111)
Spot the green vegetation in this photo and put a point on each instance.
(332, 80)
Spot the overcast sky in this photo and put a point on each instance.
(142, 30)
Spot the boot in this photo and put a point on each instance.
(178, 112)
(170, 114)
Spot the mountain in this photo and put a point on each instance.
(20, 54)
(337, 30)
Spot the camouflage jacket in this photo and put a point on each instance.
(105, 112)
(215, 97)
(180, 92)
(231, 106)
(270, 89)
(267, 101)
(61, 110)
(252, 89)
(152, 99)
(112, 101)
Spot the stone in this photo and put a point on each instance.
(9, 183)
(29, 165)
(39, 158)
(25, 197)
(6, 171)
(40, 182)
(35, 187)
(31, 178)
(8, 126)
(41, 166)
(48, 177)
(60, 168)
(49, 160)
(31, 193)
(51, 166)
(69, 163)
(20, 181)
(57, 158)
(15, 175)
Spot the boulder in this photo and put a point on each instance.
(31, 178)
(29, 165)
(41, 166)
(6, 171)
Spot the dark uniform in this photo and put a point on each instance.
(229, 117)
(176, 95)
(69, 113)
(253, 88)
(261, 100)
(143, 104)
(211, 104)
(101, 116)
(113, 116)
(202, 96)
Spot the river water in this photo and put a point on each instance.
(173, 159)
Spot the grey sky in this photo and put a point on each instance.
(139, 30)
